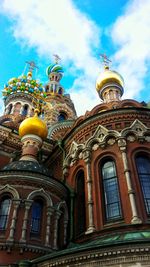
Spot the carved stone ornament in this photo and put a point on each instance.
(111, 141)
(131, 138)
(147, 138)
(122, 143)
(95, 147)
(80, 155)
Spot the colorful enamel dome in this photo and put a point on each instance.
(54, 68)
(25, 84)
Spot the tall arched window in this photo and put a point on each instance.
(143, 168)
(9, 109)
(5, 205)
(80, 208)
(36, 217)
(62, 116)
(25, 110)
(111, 191)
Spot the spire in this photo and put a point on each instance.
(57, 58)
(106, 61)
(54, 72)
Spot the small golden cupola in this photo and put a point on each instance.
(109, 84)
(34, 126)
(32, 132)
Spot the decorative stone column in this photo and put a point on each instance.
(57, 216)
(30, 112)
(21, 109)
(16, 203)
(47, 238)
(131, 193)
(72, 195)
(13, 108)
(6, 111)
(89, 182)
(28, 204)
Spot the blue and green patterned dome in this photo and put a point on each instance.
(54, 68)
(24, 84)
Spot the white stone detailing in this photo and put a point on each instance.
(135, 218)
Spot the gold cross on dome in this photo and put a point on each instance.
(32, 65)
(56, 58)
(106, 61)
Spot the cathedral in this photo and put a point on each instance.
(74, 191)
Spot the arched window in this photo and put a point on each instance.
(80, 208)
(5, 205)
(62, 116)
(42, 115)
(25, 110)
(60, 91)
(111, 191)
(36, 217)
(143, 168)
(9, 109)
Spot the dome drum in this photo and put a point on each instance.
(54, 76)
(111, 86)
(110, 81)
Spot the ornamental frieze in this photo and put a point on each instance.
(109, 120)
(102, 137)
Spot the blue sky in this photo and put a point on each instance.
(78, 31)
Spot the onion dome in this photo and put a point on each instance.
(57, 68)
(24, 84)
(33, 125)
(108, 76)
(109, 80)
(55, 73)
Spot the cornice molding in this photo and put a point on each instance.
(110, 256)
(108, 116)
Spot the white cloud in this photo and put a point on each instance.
(1, 107)
(131, 35)
(58, 27)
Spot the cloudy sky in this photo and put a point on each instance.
(78, 31)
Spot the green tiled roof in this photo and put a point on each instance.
(107, 240)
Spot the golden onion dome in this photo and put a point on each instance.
(108, 76)
(33, 125)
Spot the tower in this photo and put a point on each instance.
(109, 84)
(33, 204)
(59, 105)
(21, 95)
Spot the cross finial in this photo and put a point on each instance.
(56, 58)
(32, 65)
(106, 61)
